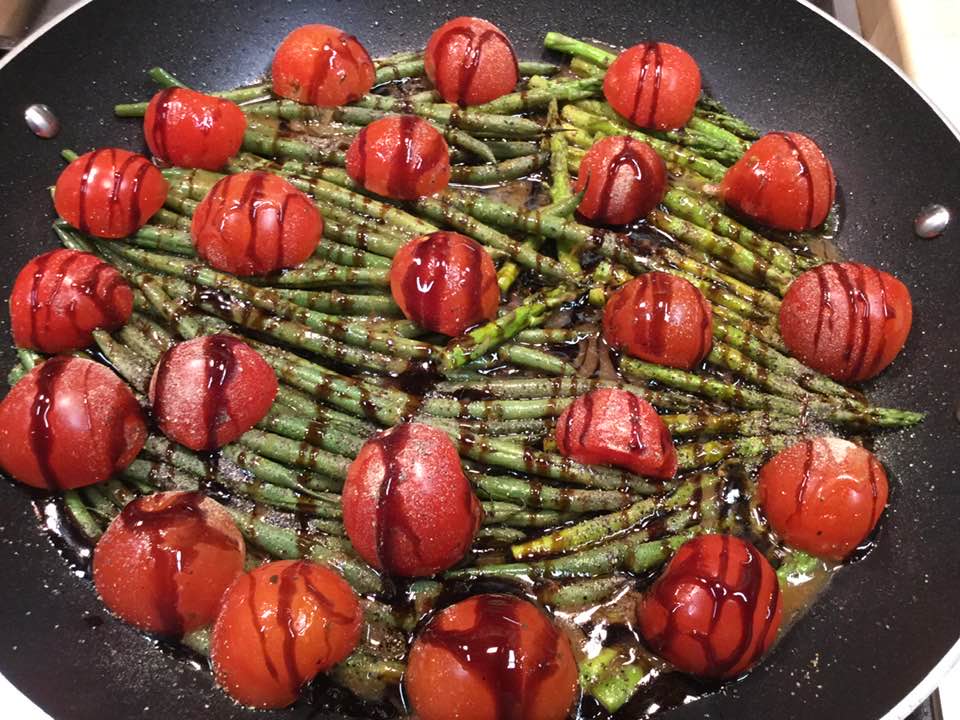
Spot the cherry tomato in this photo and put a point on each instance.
(491, 657)
(624, 180)
(660, 318)
(322, 65)
(69, 423)
(408, 508)
(208, 391)
(166, 560)
(823, 496)
(400, 156)
(470, 61)
(59, 299)
(784, 180)
(279, 627)
(109, 193)
(255, 223)
(654, 85)
(715, 610)
(847, 320)
(186, 128)
(445, 282)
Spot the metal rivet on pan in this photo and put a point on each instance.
(41, 120)
(931, 221)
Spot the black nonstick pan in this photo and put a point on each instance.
(883, 625)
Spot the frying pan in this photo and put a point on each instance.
(884, 625)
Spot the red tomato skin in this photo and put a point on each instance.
(208, 391)
(445, 282)
(109, 193)
(470, 61)
(59, 299)
(823, 496)
(164, 563)
(322, 65)
(847, 320)
(279, 626)
(400, 156)
(660, 318)
(69, 423)
(255, 223)
(624, 180)
(189, 129)
(784, 181)
(715, 609)
(520, 666)
(592, 430)
(408, 508)
(654, 85)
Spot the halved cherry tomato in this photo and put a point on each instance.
(186, 128)
(624, 180)
(166, 560)
(847, 320)
(279, 626)
(470, 61)
(716, 608)
(109, 193)
(823, 496)
(59, 299)
(491, 657)
(69, 423)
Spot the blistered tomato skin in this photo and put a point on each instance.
(164, 563)
(208, 391)
(109, 193)
(470, 61)
(279, 626)
(59, 299)
(847, 320)
(715, 609)
(660, 318)
(624, 179)
(610, 426)
(445, 282)
(408, 508)
(189, 129)
(784, 180)
(401, 157)
(823, 496)
(491, 657)
(255, 223)
(654, 85)
(69, 423)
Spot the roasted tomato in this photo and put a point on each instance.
(654, 85)
(278, 627)
(491, 657)
(255, 223)
(823, 496)
(186, 128)
(322, 65)
(59, 299)
(400, 156)
(166, 560)
(847, 320)
(69, 423)
(624, 180)
(715, 610)
(660, 318)
(109, 193)
(610, 426)
(784, 180)
(445, 282)
(470, 61)
(208, 391)
(408, 509)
